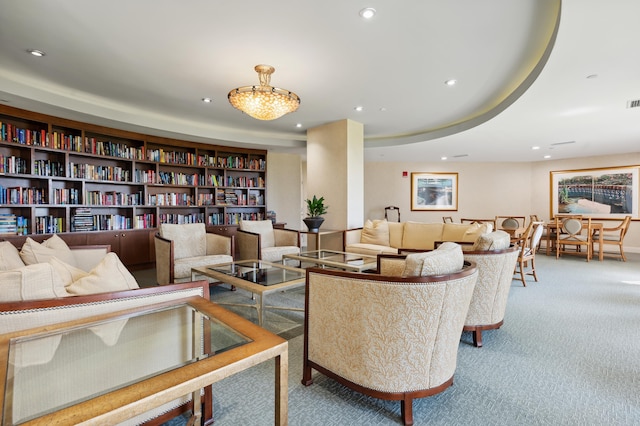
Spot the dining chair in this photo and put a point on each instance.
(529, 242)
(447, 219)
(491, 221)
(573, 231)
(613, 236)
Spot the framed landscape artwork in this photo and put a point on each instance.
(607, 193)
(434, 191)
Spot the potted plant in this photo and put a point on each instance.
(315, 209)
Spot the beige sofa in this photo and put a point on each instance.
(52, 269)
(22, 315)
(400, 340)
(380, 236)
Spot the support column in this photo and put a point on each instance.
(335, 171)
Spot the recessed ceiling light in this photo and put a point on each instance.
(299, 125)
(535, 147)
(443, 158)
(36, 52)
(359, 108)
(547, 156)
(368, 13)
(207, 100)
(451, 82)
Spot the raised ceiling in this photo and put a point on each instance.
(521, 67)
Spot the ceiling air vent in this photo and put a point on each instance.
(460, 155)
(562, 143)
(633, 104)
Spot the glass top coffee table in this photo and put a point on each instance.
(335, 259)
(113, 367)
(256, 276)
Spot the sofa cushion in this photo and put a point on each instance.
(419, 235)
(396, 230)
(182, 267)
(262, 227)
(9, 257)
(446, 259)
(188, 239)
(370, 249)
(33, 252)
(496, 240)
(375, 232)
(31, 282)
(274, 254)
(456, 231)
(109, 275)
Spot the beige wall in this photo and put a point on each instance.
(284, 188)
(485, 189)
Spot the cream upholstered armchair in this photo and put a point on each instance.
(258, 239)
(182, 247)
(495, 259)
(400, 340)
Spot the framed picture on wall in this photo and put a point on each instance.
(606, 193)
(434, 191)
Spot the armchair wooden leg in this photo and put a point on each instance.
(477, 338)
(406, 408)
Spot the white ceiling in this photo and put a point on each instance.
(145, 65)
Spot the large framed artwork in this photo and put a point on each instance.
(434, 191)
(606, 193)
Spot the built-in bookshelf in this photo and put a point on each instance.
(58, 175)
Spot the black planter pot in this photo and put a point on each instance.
(313, 223)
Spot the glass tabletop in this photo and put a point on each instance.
(338, 256)
(51, 371)
(259, 272)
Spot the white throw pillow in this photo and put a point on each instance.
(33, 252)
(67, 273)
(446, 259)
(109, 275)
(9, 257)
(31, 282)
(375, 232)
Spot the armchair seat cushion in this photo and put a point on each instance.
(182, 267)
(274, 254)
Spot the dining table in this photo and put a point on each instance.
(596, 228)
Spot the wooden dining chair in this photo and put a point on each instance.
(573, 231)
(447, 219)
(613, 236)
(528, 243)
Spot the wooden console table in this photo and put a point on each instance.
(113, 367)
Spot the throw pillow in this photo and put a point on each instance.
(31, 282)
(496, 240)
(375, 232)
(32, 252)
(67, 273)
(9, 257)
(475, 231)
(109, 275)
(262, 227)
(446, 259)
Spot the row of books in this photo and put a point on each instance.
(66, 196)
(170, 199)
(13, 224)
(98, 172)
(49, 224)
(173, 178)
(13, 164)
(48, 168)
(22, 195)
(181, 218)
(171, 157)
(112, 198)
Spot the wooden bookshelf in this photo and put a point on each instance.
(73, 178)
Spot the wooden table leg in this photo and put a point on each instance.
(282, 384)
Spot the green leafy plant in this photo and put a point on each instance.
(316, 207)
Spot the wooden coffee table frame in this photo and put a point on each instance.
(324, 262)
(261, 291)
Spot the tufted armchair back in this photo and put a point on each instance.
(388, 336)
